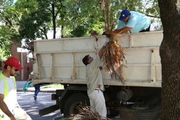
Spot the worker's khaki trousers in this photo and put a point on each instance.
(97, 102)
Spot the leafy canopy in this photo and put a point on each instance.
(31, 19)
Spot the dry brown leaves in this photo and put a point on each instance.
(85, 113)
(113, 58)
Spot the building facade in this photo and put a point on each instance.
(22, 56)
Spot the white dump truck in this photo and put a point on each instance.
(60, 61)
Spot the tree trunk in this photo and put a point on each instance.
(170, 60)
(62, 29)
(54, 20)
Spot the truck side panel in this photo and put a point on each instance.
(60, 60)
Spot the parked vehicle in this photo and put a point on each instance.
(60, 61)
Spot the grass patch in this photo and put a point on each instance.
(53, 86)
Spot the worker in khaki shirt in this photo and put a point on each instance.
(95, 83)
(9, 107)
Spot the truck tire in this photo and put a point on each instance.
(72, 103)
(127, 113)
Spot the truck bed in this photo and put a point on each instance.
(60, 60)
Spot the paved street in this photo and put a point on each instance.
(26, 101)
(32, 107)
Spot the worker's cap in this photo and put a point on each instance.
(124, 14)
(85, 60)
(14, 62)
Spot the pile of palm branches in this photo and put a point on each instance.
(113, 58)
(85, 113)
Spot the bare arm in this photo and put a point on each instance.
(123, 30)
(101, 51)
(120, 31)
(4, 108)
(29, 78)
(96, 62)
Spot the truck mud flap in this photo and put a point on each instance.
(48, 110)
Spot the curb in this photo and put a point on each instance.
(32, 90)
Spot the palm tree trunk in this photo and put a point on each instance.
(107, 3)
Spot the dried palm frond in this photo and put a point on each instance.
(113, 58)
(85, 113)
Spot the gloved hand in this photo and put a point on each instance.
(106, 41)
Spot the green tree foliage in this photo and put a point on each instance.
(5, 42)
(34, 19)
(31, 19)
(8, 28)
(89, 14)
(83, 15)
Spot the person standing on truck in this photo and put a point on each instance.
(9, 107)
(36, 86)
(95, 86)
(132, 21)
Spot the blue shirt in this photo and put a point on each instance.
(137, 22)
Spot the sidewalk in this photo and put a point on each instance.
(20, 85)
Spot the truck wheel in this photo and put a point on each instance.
(127, 113)
(73, 102)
